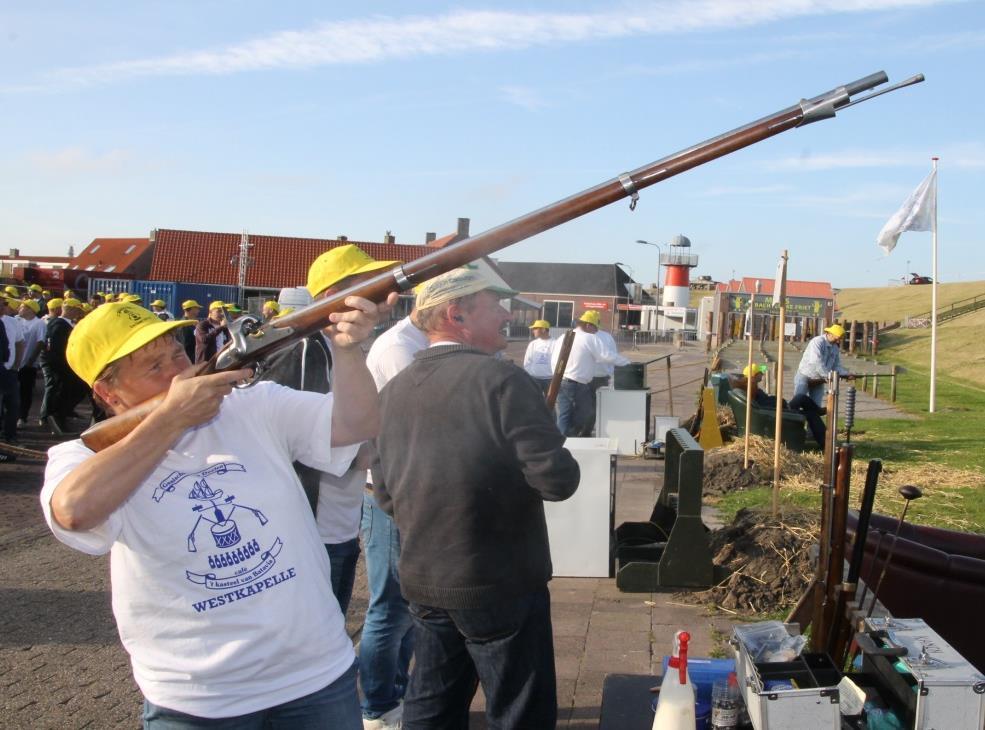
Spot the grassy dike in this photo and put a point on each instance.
(943, 453)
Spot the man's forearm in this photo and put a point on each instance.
(356, 411)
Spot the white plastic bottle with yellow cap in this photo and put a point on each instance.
(675, 708)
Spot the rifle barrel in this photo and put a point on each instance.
(402, 278)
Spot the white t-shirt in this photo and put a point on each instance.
(586, 352)
(34, 330)
(394, 350)
(221, 587)
(537, 359)
(606, 369)
(15, 334)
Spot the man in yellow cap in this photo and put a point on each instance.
(211, 333)
(477, 587)
(190, 310)
(537, 358)
(11, 352)
(63, 388)
(221, 588)
(270, 310)
(336, 500)
(33, 328)
(821, 356)
(160, 308)
(576, 398)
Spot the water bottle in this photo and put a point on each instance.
(725, 704)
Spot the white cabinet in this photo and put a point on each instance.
(621, 415)
(579, 528)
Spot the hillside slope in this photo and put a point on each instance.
(960, 348)
(891, 303)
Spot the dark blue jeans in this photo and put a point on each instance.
(387, 642)
(336, 706)
(812, 412)
(574, 408)
(10, 401)
(508, 647)
(343, 556)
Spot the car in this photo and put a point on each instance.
(918, 279)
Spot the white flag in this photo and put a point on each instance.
(780, 281)
(917, 214)
(748, 329)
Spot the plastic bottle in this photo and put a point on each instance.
(675, 709)
(725, 704)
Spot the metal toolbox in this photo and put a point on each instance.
(940, 689)
(812, 704)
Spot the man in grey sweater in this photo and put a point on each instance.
(468, 454)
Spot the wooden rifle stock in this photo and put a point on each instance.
(258, 342)
(558, 374)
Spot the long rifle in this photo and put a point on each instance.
(827, 512)
(562, 362)
(836, 566)
(252, 342)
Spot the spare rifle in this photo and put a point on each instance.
(252, 341)
(562, 362)
(833, 595)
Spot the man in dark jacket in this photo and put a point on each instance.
(468, 454)
(211, 333)
(66, 388)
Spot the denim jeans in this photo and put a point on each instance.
(802, 386)
(806, 405)
(574, 408)
(336, 706)
(508, 647)
(343, 556)
(387, 642)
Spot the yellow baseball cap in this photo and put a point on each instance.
(131, 298)
(13, 302)
(217, 305)
(67, 294)
(70, 302)
(111, 332)
(54, 303)
(233, 307)
(336, 264)
(190, 304)
(45, 292)
(755, 368)
(272, 305)
(12, 291)
(32, 305)
(36, 287)
(158, 303)
(590, 317)
(86, 307)
(836, 329)
(541, 324)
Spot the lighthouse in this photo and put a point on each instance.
(678, 262)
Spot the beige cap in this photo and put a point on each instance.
(454, 284)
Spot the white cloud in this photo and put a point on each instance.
(523, 96)
(381, 38)
(79, 161)
(745, 190)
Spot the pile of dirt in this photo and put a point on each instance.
(724, 472)
(767, 560)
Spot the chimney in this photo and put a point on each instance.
(389, 238)
(15, 253)
(153, 236)
(463, 228)
(71, 252)
(429, 236)
(342, 238)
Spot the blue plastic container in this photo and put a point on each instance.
(703, 674)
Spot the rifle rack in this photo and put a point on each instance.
(672, 549)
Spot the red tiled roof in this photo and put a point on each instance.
(443, 241)
(278, 261)
(112, 255)
(806, 289)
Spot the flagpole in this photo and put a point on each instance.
(933, 300)
(750, 375)
(781, 286)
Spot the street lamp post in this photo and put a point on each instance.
(660, 253)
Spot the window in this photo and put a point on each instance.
(92, 267)
(110, 269)
(95, 248)
(559, 314)
(130, 249)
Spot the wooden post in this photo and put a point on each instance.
(865, 383)
(780, 286)
(670, 388)
(865, 334)
(750, 376)
(875, 385)
(893, 385)
(851, 338)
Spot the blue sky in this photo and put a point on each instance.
(320, 119)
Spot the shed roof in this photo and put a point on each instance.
(110, 255)
(605, 280)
